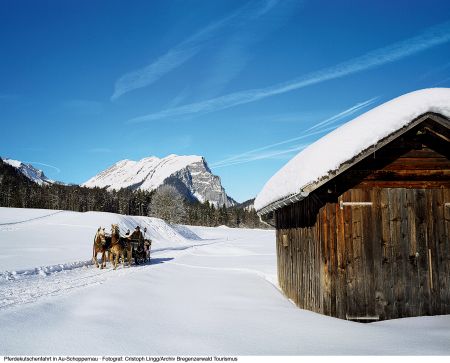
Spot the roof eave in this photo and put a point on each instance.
(309, 188)
(290, 199)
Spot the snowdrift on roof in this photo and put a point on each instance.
(331, 151)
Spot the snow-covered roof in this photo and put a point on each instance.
(301, 175)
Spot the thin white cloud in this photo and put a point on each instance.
(340, 115)
(265, 155)
(179, 98)
(249, 155)
(235, 50)
(318, 128)
(187, 49)
(58, 170)
(145, 76)
(431, 37)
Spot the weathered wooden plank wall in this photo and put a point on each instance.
(367, 261)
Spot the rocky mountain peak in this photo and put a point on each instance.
(190, 174)
(29, 171)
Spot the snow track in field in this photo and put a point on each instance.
(27, 286)
(18, 288)
(30, 219)
(33, 237)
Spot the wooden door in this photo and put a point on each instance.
(395, 248)
(412, 251)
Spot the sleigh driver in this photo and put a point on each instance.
(137, 241)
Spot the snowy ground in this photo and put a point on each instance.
(207, 291)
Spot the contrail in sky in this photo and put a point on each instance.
(58, 170)
(187, 49)
(340, 115)
(318, 128)
(430, 38)
(265, 155)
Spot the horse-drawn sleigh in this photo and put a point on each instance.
(131, 246)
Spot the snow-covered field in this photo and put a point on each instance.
(206, 291)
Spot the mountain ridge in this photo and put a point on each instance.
(32, 173)
(190, 174)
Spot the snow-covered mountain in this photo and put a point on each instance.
(29, 171)
(189, 174)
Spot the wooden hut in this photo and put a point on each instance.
(362, 216)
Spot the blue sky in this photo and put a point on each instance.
(246, 84)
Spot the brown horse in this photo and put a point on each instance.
(100, 245)
(127, 249)
(119, 247)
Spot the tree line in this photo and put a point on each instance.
(17, 191)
